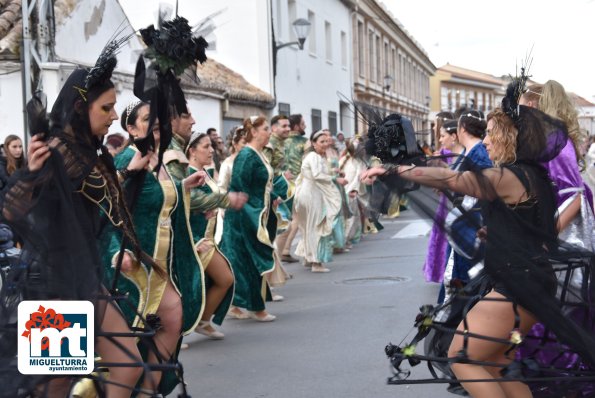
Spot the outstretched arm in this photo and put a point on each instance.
(496, 182)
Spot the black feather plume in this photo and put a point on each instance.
(105, 64)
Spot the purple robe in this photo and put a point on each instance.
(436, 258)
(564, 171)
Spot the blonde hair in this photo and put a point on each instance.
(503, 136)
(555, 102)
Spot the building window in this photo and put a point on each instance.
(329, 41)
(444, 99)
(284, 109)
(316, 119)
(386, 60)
(361, 55)
(312, 36)
(343, 49)
(401, 77)
(371, 56)
(332, 122)
(378, 64)
(292, 16)
(393, 69)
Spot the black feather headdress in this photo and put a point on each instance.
(171, 50)
(104, 67)
(516, 88)
(392, 140)
(173, 46)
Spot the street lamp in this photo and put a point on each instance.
(301, 27)
(388, 81)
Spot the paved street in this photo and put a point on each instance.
(329, 337)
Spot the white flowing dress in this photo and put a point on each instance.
(317, 203)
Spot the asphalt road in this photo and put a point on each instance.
(331, 330)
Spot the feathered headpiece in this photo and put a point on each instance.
(516, 88)
(171, 50)
(102, 71)
(173, 46)
(540, 137)
(392, 140)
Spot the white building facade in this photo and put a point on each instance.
(315, 81)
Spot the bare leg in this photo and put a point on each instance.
(286, 249)
(166, 338)
(113, 321)
(222, 278)
(493, 319)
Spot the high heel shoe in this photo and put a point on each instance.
(266, 318)
(205, 328)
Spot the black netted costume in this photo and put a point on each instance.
(524, 261)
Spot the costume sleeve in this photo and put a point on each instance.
(241, 175)
(564, 172)
(206, 201)
(313, 168)
(352, 176)
(198, 199)
(224, 175)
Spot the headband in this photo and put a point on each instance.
(195, 137)
(129, 109)
(469, 114)
(318, 134)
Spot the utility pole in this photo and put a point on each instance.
(37, 48)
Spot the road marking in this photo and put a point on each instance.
(414, 229)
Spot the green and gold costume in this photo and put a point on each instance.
(203, 229)
(160, 218)
(249, 232)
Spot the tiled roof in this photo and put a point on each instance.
(11, 24)
(11, 28)
(216, 76)
(471, 74)
(580, 101)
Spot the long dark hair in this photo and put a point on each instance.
(12, 163)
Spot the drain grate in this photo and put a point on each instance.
(377, 280)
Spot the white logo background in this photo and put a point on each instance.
(79, 361)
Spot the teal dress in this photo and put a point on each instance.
(203, 229)
(249, 233)
(160, 218)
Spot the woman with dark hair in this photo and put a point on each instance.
(438, 249)
(353, 165)
(249, 233)
(441, 118)
(471, 128)
(170, 297)
(317, 203)
(14, 158)
(55, 203)
(220, 278)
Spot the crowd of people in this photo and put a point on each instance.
(169, 231)
(166, 230)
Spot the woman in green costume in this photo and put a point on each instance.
(216, 266)
(172, 305)
(249, 233)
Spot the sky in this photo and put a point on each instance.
(493, 37)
